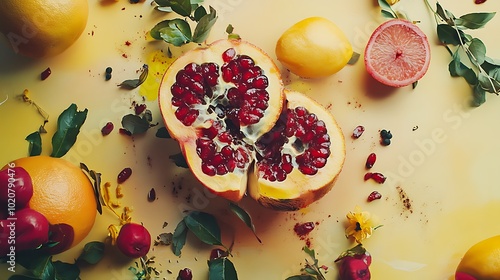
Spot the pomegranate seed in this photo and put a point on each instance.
(139, 108)
(227, 151)
(370, 161)
(479, 1)
(377, 177)
(246, 62)
(107, 128)
(45, 74)
(228, 55)
(124, 175)
(151, 195)
(373, 196)
(358, 131)
(185, 274)
(123, 131)
(304, 228)
(192, 68)
(260, 82)
(208, 169)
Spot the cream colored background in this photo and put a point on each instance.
(448, 167)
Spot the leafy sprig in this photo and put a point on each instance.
(483, 72)
(177, 31)
(312, 270)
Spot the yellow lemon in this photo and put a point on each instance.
(481, 261)
(313, 48)
(41, 28)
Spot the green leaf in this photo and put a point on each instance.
(133, 83)
(39, 265)
(474, 20)
(458, 69)
(488, 83)
(202, 29)
(162, 132)
(221, 269)
(68, 127)
(179, 160)
(35, 143)
(229, 29)
(440, 12)
(179, 237)
(135, 124)
(245, 217)
(302, 277)
(479, 95)
(66, 271)
(478, 50)
(163, 3)
(92, 252)
(354, 58)
(384, 5)
(388, 14)
(182, 7)
(310, 253)
(448, 35)
(22, 277)
(199, 13)
(176, 32)
(204, 226)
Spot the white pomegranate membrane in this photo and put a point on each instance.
(223, 102)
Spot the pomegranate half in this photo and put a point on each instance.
(225, 105)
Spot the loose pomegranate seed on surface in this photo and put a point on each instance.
(358, 131)
(185, 274)
(373, 196)
(107, 128)
(302, 229)
(370, 161)
(479, 1)
(45, 74)
(124, 175)
(377, 177)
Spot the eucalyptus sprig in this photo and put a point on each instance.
(178, 31)
(483, 75)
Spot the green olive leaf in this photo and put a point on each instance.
(245, 217)
(68, 127)
(179, 237)
(204, 226)
(388, 14)
(203, 27)
(440, 12)
(221, 269)
(135, 124)
(66, 271)
(39, 265)
(176, 32)
(479, 95)
(302, 277)
(386, 9)
(133, 83)
(199, 13)
(478, 50)
(35, 143)
(162, 132)
(447, 35)
(474, 20)
(181, 7)
(458, 69)
(92, 252)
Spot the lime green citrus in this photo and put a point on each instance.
(41, 28)
(313, 48)
(482, 260)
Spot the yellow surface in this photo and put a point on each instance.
(448, 167)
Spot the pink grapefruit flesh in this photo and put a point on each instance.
(397, 53)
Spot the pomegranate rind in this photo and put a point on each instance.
(231, 185)
(298, 190)
(397, 53)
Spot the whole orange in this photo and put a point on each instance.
(41, 28)
(64, 195)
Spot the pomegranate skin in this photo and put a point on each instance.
(354, 269)
(134, 240)
(15, 185)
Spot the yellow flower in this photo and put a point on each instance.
(361, 224)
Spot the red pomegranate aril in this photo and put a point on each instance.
(185, 274)
(358, 131)
(377, 177)
(107, 128)
(308, 170)
(370, 161)
(124, 175)
(319, 162)
(227, 75)
(217, 254)
(221, 169)
(45, 74)
(177, 90)
(373, 196)
(260, 82)
(228, 55)
(479, 1)
(139, 108)
(191, 117)
(227, 151)
(225, 137)
(246, 61)
(192, 68)
(303, 228)
(368, 176)
(208, 169)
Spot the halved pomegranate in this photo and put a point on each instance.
(224, 104)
